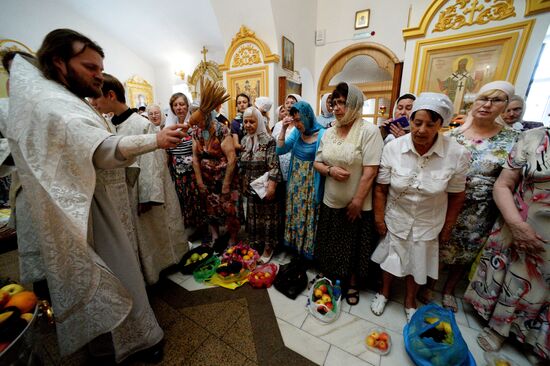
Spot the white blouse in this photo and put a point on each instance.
(417, 198)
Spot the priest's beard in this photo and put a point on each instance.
(82, 87)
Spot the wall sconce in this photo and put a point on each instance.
(180, 74)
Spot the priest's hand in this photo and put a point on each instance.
(169, 136)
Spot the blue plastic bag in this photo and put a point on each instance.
(429, 342)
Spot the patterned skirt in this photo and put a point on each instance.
(510, 289)
(342, 247)
(301, 209)
(183, 176)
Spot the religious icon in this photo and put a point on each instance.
(288, 54)
(460, 81)
(362, 19)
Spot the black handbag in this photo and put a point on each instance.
(291, 279)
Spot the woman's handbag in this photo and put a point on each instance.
(259, 185)
(291, 280)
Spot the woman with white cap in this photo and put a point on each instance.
(489, 143)
(326, 118)
(418, 196)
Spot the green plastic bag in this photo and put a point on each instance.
(207, 269)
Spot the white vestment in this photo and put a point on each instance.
(80, 205)
(160, 231)
(31, 266)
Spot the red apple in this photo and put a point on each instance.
(383, 337)
(382, 345)
(323, 288)
(4, 298)
(329, 306)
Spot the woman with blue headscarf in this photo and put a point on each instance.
(304, 187)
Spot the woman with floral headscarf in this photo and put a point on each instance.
(304, 183)
(348, 156)
(258, 157)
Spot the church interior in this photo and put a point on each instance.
(274, 48)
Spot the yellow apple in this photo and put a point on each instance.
(12, 289)
(326, 298)
(318, 293)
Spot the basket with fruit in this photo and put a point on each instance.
(241, 253)
(194, 258)
(322, 301)
(263, 276)
(18, 312)
(497, 359)
(378, 340)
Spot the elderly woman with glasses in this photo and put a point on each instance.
(155, 115)
(418, 196)
(348, 157)
(489, 143)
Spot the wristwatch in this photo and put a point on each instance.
(328, 171)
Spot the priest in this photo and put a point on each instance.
(72, 165)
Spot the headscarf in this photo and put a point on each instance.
(354, 106)
(436, 102)
(324, 111)
(252, 142)
(295, 96)
(501, 85)
(263, 104)
(308, 118)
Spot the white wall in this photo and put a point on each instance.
(337, 18)
(296, 21)
(28, 21)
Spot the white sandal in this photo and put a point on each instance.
(378, 304)
(409, 312)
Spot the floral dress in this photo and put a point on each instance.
(479, 211)
(180, 164)
(218, 208)
(263, 217)
(511, 288)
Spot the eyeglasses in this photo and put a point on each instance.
(495, 101)
(338, 102)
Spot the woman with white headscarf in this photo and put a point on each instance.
(418, 196)
(258, 157)
(284, 160)
(326, 117)
(264, 106)
(348, 156)
(489, 143)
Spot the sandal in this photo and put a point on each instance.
(449, 302)
(409, 312)
(425, 296)
(378, 304)
(489, 340)
(352, 297)
(265, 258)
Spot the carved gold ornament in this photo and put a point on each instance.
(246, 55)
(470, 12)
(247, 37)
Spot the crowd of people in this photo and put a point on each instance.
(360, 203)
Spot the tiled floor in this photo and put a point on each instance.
(342, 342)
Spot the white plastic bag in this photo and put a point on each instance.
(259, 185)
(324, 312)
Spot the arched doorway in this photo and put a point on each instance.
(373, 68)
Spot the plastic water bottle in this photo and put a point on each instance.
(337, 290)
